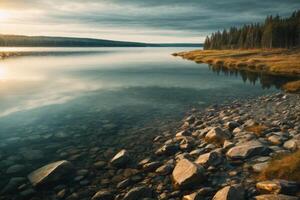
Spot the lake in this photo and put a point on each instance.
(61, 103)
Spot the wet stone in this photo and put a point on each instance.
(51, 173)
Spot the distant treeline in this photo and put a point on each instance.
(275, 32)
(44, 41)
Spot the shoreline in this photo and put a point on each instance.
(271, 61)
(215, 151)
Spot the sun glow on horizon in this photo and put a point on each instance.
(3, 15)
(2, 73)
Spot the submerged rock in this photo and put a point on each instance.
(50, 173)
(187, 173)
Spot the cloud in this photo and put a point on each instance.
(189, 20)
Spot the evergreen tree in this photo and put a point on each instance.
(275, 32)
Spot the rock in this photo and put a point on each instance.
(246, 150)
(292, 144)
(232, 125)
(138, 193)
(278, 186)
(259, 167)
(230, 193)
(216, 135)
(26, 194)
(103, 195)
(165, 169)
(30, 154)
(61, 194)
(13, 185)
(15, 169)
(50, 173)
(120, 159)
(123, 184)
(187, 173)
(209, 159)
(183, 134)
(193, 196)
(199, 194)
(100, 164)
(149, 167)
(275, 197)
(227, 144)
(167, 149)
(275, 139)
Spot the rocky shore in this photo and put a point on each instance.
(218, 153)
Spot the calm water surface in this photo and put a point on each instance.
(59, 97)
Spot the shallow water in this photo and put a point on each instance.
(56, 98)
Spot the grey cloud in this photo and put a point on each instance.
(191, 17)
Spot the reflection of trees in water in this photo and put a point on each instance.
(265, 80)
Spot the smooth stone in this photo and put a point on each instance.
(275, 197)
(165, 169)
(103, 195)
(13, 184)
(276, 140)
(278, 186)
(259, 167)
(183, 134)
(15, 169)
(167, 149)
(138, 193)
(30, 154)
(100, 164)
(216, 135)
(209, 159)
(187, 173)
(292, 144)
(61, 194)
(120, 159)
(152, 166)
(50, 173)
(230, 193)
(246, 150)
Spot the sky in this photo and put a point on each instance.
(156, 21)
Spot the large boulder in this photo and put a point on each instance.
(216, 135)
(275, 197)
(247, 149)
(138, 193)
(230, 193)
(51, 173)
(187, 173)
(120, 159)
(209, 159)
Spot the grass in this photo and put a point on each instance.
(4, 55)
(292, 87)
(285, 167)
(272, 61)
(256, 129)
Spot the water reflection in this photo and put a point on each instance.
(266, 81)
